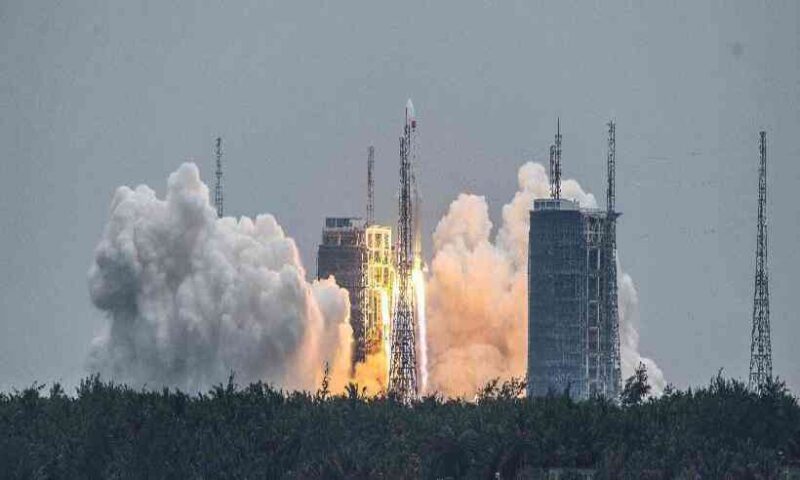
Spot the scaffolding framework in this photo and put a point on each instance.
(380, 280)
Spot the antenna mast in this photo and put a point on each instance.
(611, 164)
(612, 369)
(760, 343)
(370, 185)
(555, 164)
(218, 187)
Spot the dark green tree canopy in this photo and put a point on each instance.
(636, 387)
(108, 430)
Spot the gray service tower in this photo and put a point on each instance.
(573, 321)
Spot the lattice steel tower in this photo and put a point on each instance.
(403, 362)
(555, 164)
(370, 185)
(612, 370)
(218, 187)
(760, 344)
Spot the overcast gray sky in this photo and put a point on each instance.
(97, 94)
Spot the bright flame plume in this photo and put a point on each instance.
(418, 279)
(386, 320)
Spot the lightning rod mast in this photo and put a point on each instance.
(760, 343)
(611, 166)
(613, 365)
(218, 187)
(370, 185)
(555, 164)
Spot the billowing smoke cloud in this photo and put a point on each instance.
(629, 336)
(477, 293)
(192, 298)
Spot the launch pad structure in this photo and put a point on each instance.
(385, 306)
(341, 255)
(358, 253)
(573, 320)
(359, 256)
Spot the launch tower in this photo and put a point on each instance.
(573, 322)
(358, 254)
(403, 361)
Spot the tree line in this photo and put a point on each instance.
(108, 430)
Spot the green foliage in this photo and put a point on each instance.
(636, 387)
(324, 391)
(507, 391)
(107, 430)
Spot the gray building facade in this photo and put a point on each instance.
(572, 332)
(342, 254)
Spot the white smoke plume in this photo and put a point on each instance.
(629, 336)
(192, 298)
(477, 291)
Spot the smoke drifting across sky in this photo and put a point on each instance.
(191, 297)
(477, 291)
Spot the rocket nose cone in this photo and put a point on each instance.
(410, 110)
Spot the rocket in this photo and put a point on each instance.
(411, 117)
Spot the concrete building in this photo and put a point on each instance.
(572, 323)
(359, 257)
(342, 255)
